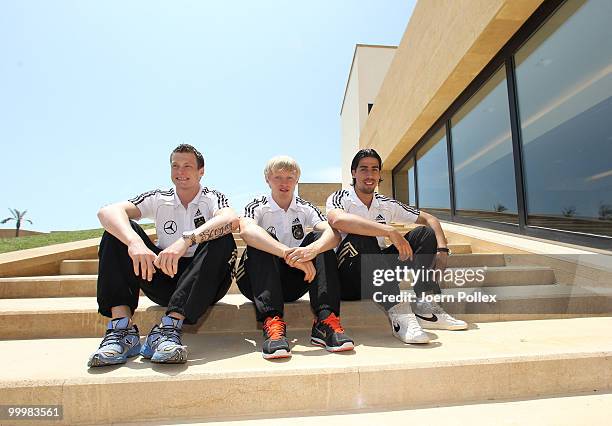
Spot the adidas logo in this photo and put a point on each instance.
(296, 221)
(198, 213)
(380, 219)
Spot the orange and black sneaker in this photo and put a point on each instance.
(275, 344)
(329, 334)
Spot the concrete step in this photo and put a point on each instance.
(78, 316)
(79, 267)
(56, 286)
(460, 248)
(569, 410)
(85, 285)
(494, 276)
(48, 286)
(564, 410)
(476, 259)
(501, 276)
(226, 375)
(455, 247)
(90, 266)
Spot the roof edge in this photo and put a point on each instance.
(382, 46)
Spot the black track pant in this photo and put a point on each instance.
(269, 282)
(423, 243)
(201, 281)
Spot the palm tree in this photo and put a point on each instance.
(499, 208)
(18, 217)
(568, 211)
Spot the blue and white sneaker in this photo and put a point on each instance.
(119, 344)
(163, 344)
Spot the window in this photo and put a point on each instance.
(564, 89)
(404, 184)
(432, 171)
(483, 162)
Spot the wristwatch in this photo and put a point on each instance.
(189, 237)
(443, 250)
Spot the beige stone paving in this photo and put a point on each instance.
(236, 354)
(593, 409)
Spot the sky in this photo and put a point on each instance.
(95, 95)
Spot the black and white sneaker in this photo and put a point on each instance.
(431, 316)
(405, 326)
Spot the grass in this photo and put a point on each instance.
(54, 237)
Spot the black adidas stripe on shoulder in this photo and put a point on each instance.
(399, 203)
(337, 198)
(140, 198)
(312, 206)
(222, 200)
(249, 209)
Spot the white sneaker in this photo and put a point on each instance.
(405, 325)
(431, 316)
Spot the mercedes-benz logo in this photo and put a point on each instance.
(170, 227)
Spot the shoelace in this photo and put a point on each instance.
(171, 334)
(413, 324)
(334, 322)
(274, 327)
(114, 336)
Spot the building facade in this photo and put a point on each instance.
(368, 69)
(498, 114)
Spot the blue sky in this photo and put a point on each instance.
(94, 95)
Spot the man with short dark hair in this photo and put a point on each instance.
(363, 217)
(190, 268)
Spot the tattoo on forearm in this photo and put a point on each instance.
(211, 234)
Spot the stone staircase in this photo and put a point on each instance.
(541, 338)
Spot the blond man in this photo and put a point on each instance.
(282, 262)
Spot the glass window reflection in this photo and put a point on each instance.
(564, 85)
(404, 185)
(432, 171)
(485, 187)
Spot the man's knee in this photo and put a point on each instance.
(329, 255)
(312, 236)
(423, 233)
(423, 237)
(225, 241)
(255, 253)
(223, 246)
(108, 238)
(109, 241)
(362, 243)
